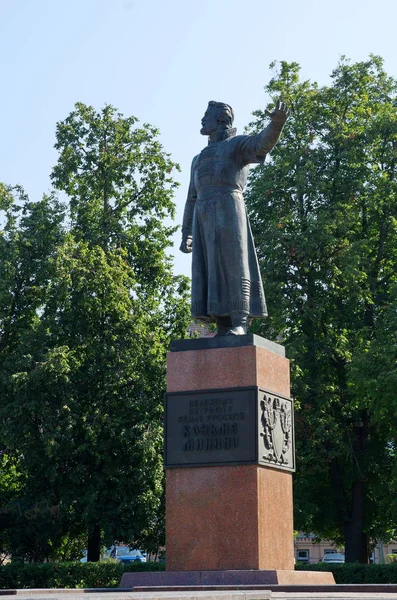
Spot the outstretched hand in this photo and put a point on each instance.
(279, 114)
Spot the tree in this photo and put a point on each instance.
(85, 411)
(28, 242)
(324, 213)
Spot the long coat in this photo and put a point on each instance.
(225, 271)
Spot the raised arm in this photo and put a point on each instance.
(255, 147)
(187, 240)
(269, 136)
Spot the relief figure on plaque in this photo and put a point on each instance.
(226, 283)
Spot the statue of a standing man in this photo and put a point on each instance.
(226, 282)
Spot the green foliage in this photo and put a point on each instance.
(355, 573)
(28, 240)
(88, 306)
(324, 215)
(391, 558)
(69, 575)
(70, 548)
(119, 181)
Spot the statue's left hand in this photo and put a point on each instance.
(279, 114)
(187, 244)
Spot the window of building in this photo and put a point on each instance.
(302, 556)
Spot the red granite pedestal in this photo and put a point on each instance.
(228, 517)
(229, 524)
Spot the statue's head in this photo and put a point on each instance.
(217, 116)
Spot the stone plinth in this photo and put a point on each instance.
(185, 580)
(234, 517)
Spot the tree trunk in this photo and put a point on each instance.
(356, 541)
(94, 544)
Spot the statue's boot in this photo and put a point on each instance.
(239, 324)
(223, 325)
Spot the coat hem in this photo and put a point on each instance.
(213, 309)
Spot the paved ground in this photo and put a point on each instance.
(221, 595)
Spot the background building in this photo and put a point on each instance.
(308, 551)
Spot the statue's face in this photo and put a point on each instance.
(209, 122)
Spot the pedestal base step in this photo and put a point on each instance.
(193, 579)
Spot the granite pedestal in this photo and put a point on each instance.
(228, 512)
(228, 517)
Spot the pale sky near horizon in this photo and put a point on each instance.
(162, 61)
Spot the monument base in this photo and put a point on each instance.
(229, 460)
(237, 579)
(226, 517)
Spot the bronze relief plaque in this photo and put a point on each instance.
(276, 444)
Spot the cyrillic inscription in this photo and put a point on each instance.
(210, 427)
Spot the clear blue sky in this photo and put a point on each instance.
(162, 61)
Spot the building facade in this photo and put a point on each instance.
(308, 551)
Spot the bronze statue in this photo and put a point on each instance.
(226, 282)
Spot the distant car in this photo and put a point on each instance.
(124, 554)
(334, 557)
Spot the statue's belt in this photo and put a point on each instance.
(209, 192)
